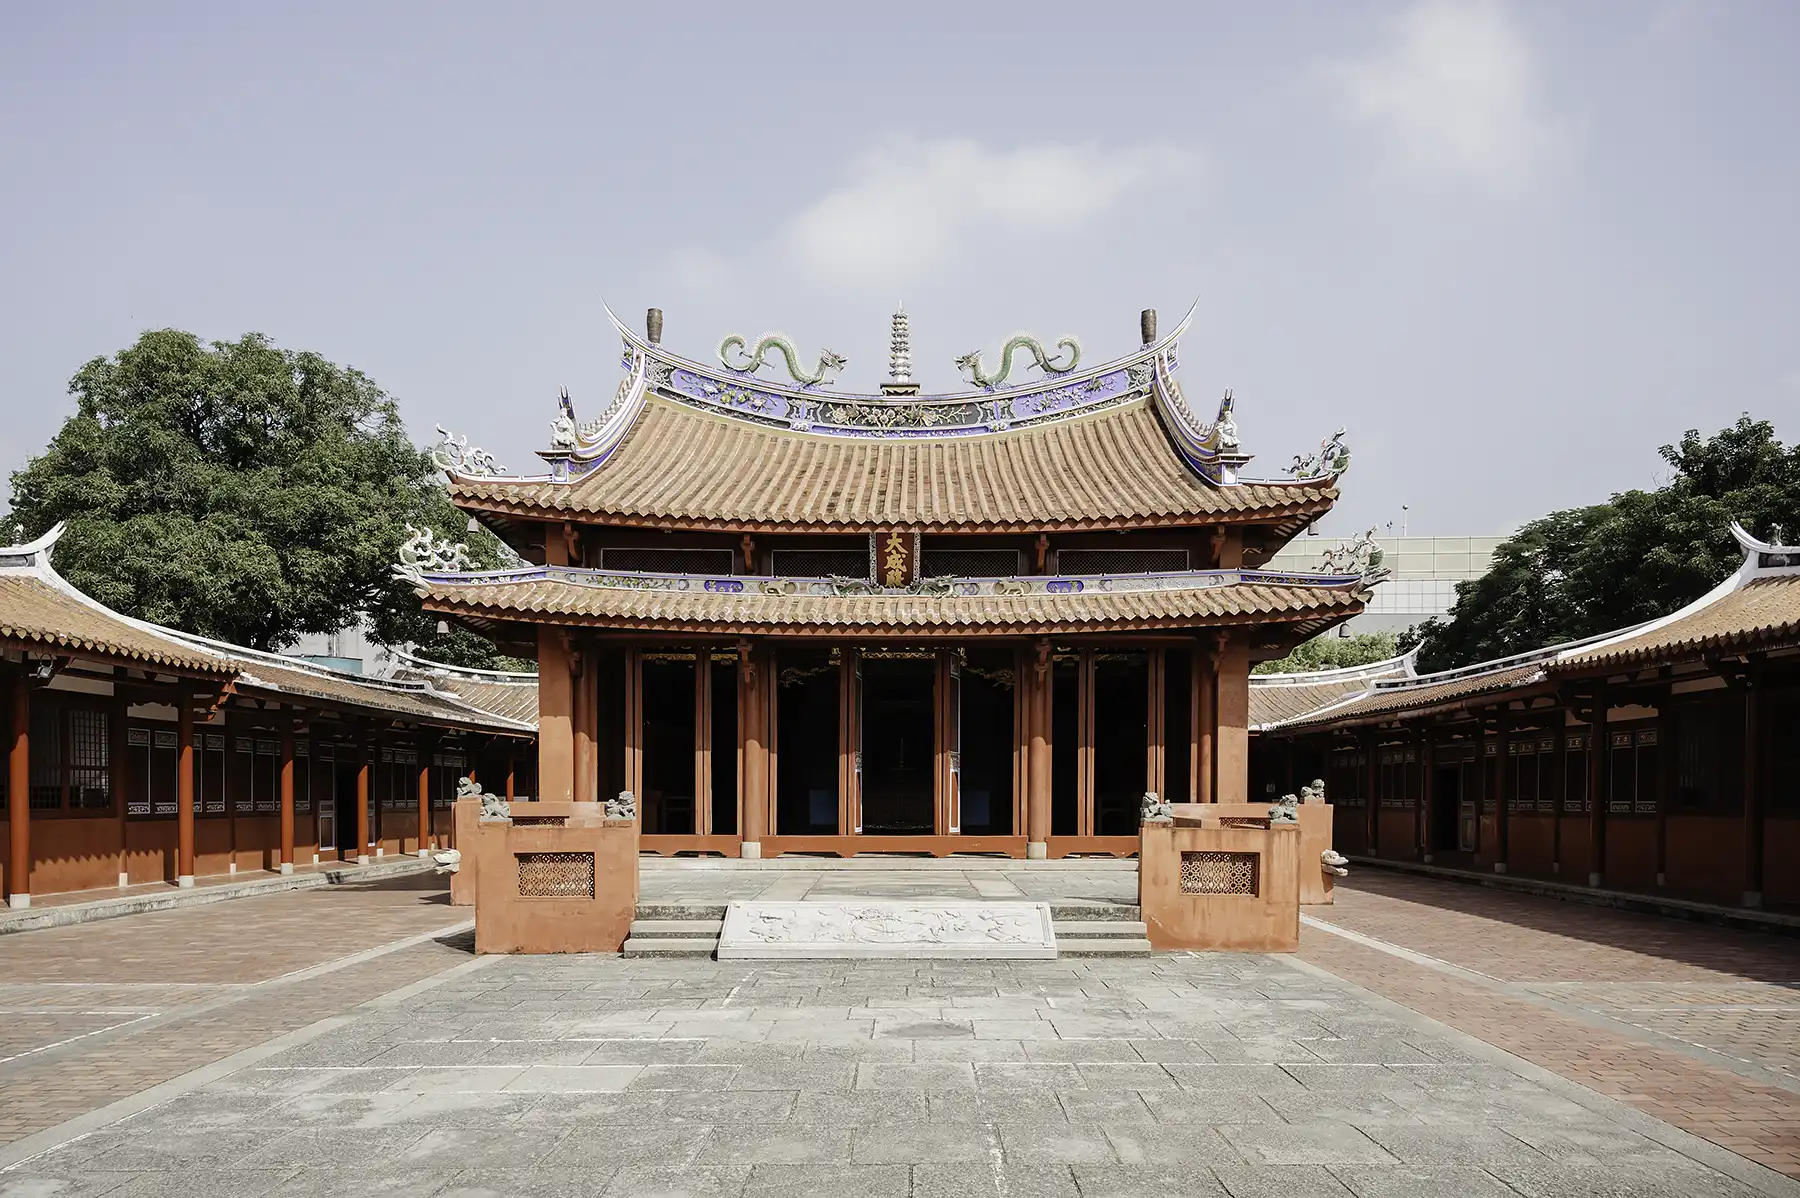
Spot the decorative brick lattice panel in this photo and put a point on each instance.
(556, 875)
(970, 563)
(668, 561)
(1120, 561)
(540, 821)
(1243, 822)
(821, 563)
(1218, 873)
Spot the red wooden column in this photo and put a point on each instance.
(511, 766)
(1503, 768)
(556, 730)
(1753, 791)
(1206, 720)
(1371, 787)
(753, 710)
(1037, 765)
(18, 795)
(184, 787)
(427, 751)
(287, 794)
(118, 781)
(366, 750)
(1599, 765)
(1425, 740)
(1157, 756)
(1231, 708)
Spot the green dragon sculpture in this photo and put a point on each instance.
(829, 360)
(971, 361)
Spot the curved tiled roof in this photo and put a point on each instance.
(36, 611)
(1276, 698)
(1762, 613)
(1389, 700)
(559, 600)
(682, 467)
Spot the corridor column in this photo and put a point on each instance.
(427, 751)
(1206, 720)
(287, 794)
(1753, 792)
(1503, 767)
(366, 749)
(1599, 788)
(184, 787)
(18, 795)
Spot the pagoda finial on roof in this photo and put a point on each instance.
(900, 347)
(900, 380)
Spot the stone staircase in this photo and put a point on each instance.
(692, 930)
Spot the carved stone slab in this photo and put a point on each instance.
(865, 928)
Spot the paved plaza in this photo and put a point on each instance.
(1429, 1038)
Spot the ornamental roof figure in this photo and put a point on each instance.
(1054, 443)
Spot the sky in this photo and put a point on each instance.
(1512, 249)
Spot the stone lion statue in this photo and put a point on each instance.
(1153, 810)
(492, 806)
(623, 807)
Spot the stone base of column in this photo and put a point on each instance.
(750, 850)
(1037, 850)
(1499, 867)
(287, 867)
(362, 858)
(185, 881)
(124, 878)
(231, 868)
(1596, 879)
(424, 852)
(1662, 879)
(1752, 898)
(380, 852)
(18, 902)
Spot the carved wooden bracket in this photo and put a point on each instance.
(572, 543)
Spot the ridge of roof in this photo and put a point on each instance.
(1404, 663)
(470, 673)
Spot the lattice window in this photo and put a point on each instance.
(969, 563)
(1243, 821)
(821, 563)
(667, 561)
(1120, 561)
(540, 821)
(1219, 873)
(556, 875)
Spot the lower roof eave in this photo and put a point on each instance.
(1325, 724)
(498, 515)
(484, 618)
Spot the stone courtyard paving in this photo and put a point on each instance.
(1239, 1075)
(347, 1042)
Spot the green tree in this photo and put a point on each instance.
(1641, 555)
(1333, 652)
(240, 491)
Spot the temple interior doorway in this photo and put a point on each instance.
(988, 743)
(343, 810)
(668, 798)
(1121, 741)
(899, 746)
(806, 744)
(1446, 801)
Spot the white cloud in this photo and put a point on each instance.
(1455, 90)
(911, 205)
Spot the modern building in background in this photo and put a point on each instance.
(1423, 583)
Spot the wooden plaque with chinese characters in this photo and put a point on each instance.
(896, 558)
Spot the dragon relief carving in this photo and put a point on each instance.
(1332, 458)
(454, 455)
(830, 361)
(424, 552)
(971, 361)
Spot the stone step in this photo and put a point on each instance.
(1098, 929)
(677, 929)
(1107, 947)
(680, 911)
(677, 946)
(1095, 911)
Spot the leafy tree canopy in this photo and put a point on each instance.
(1640, 555)
(1332, 652)
(243, 492)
